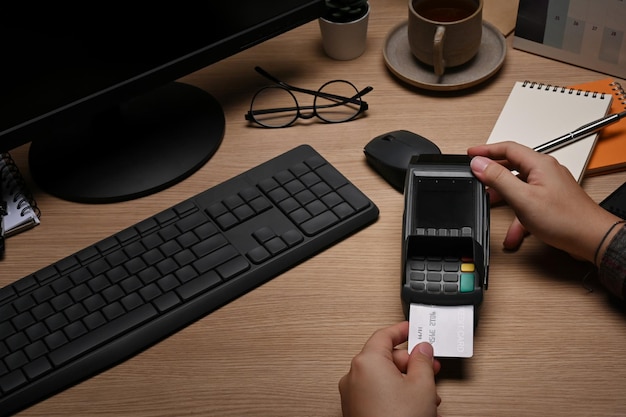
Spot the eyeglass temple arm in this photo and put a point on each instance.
(271, 77)
(315, 93)
(364, 105)
(282, 83)
(275, 110)
(336, 97)
(344, 100)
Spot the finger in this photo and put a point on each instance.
(494, 196)
(401, 359)
(436, 366)
(497, 178)
(515, 235)
(516, 154)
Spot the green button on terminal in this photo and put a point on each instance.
(467, 282)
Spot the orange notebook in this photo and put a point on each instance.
(609, 154)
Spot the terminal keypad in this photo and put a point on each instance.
(439, 275)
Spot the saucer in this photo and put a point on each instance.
(404, 65)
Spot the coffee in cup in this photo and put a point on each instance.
(445, 33)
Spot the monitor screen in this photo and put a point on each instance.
(94, 89)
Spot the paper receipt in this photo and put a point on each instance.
(450, 329)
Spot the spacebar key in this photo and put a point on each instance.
(102, 334)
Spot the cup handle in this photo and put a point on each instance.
(438, 62)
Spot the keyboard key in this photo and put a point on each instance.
(37, 367)
(12, 381)
(319, 223)
(198, 285)
(167, 301)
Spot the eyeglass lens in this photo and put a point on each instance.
(336, 110)
(275, 106)
(282, 103)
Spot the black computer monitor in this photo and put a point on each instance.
(93, 88)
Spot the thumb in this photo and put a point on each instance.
(420, 365)
(497, 177)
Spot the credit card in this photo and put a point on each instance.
(450, 329)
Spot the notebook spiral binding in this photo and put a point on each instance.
(620, 94)
(561, 89)
(18, 189)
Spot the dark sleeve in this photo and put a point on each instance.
(612, 271)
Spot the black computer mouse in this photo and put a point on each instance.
(389, 154)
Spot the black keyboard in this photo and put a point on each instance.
(107, 302)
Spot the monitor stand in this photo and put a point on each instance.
(146, 145)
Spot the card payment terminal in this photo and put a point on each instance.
(445, 240)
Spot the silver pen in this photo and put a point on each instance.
(579, 133)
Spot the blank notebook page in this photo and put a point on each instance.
(536, 113)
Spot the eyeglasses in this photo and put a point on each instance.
(275, 106)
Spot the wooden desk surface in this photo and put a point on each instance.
(544, 345)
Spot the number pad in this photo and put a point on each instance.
(438, 275)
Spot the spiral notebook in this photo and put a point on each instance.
(536, 113)
(21, 211)
(609, 155)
